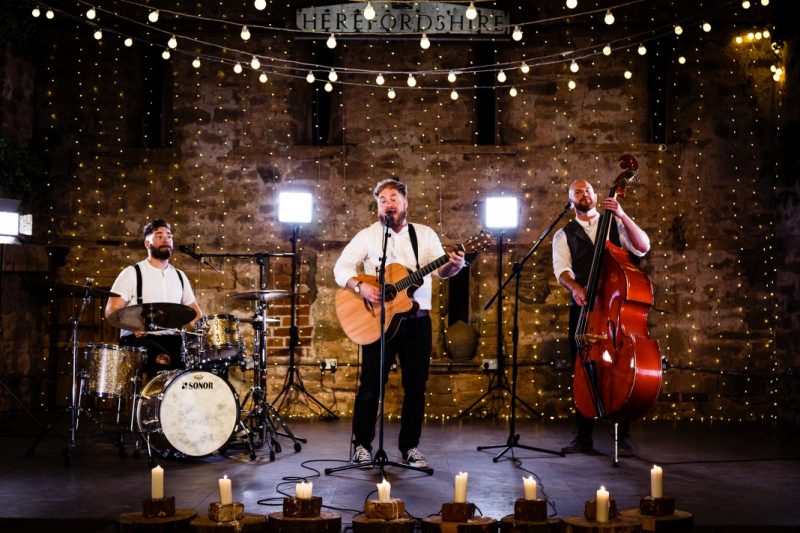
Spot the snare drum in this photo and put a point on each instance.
(191, 412)
(220, 343)
(110, 369)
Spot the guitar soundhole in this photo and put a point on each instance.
(391, 293)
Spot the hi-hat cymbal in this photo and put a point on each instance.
(80, 290)
(260, 296)
(256, 320)
(140, 317)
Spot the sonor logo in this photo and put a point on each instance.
(197, 386)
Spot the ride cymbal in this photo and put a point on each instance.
(260, 296)
(139, 317)
(80, 290)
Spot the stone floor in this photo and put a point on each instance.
(731, 476)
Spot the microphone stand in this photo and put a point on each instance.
(513, 437)
(379, 459)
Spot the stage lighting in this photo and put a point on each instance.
(295, 207)
(501, 212)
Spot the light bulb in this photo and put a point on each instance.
(165, 54)
(261, 5)
(678, 30)
(328, 86)
(196, 62)
(424, 43)
(501, 76)
(512, 91)
(173, 42)
(49, 14)
(153, 16)
(571, 85)
(517, 35)
(765, 32)
(379, 80)
(524, 68)
(751, 36)
(331, 42)
(237, 68)
(91, 14)
(453, 95)
(471, 12)
(682, 60)
(411, 81)
(758, 36)
(706, 27)
(746, 4)
(332, 76)
(36, 12)
(628, 74)
(391, 94)
(310, 78)
(245, 35)
(574, 67)
(642, 50)
(98, 35)
(255, 63)
(369, 12)
(765, 2)
(451, 77)
(609, 18)
(572, 4)
(607, 50)
(263, 78)
(776, 77)
(128, 42)
(739, 39)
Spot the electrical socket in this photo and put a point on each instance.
(490, 364)
(330, 364)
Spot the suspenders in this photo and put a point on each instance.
(412, 234)
(139, 279)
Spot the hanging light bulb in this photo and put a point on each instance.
(424, 43)
(451, 77)
(98, 35)
(571, 85)
(331, 42)
(517, 35)
(706, 27)
(128, 42)
(36, 12)
(263, 77)
(153, 16)
(765, 3)
(165, 54)
(369, 11)
(332, 76)
(642, 50)
(471, 12)
(501, 76)
(91, 13)
(609, 18)
(739, 39)
(682, 60)
(328, 86)
(261, 5)
(379, 80)
(746, 4)
(607, 50)
(628, 74)
(454, 95)
(245, 35)
(574, 67)
(49, 14)
(310, 78)
(173, 42)
(572, 4)
(512, 91)
(237, 68)
(758, 36)
(766, 32)
(678, 30)
(524, 68)
(411, 81)
(391, 94)
(255, 63)
(196, 62)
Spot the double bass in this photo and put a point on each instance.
(618, 366)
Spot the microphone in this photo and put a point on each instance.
(569, 205)
(388, 218)
(191, 253)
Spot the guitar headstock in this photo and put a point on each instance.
(630, 166)
(476, 243)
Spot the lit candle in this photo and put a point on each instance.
(302, 491)
(602, 498)
(225, 491)
(530, 487)
(460, 493)
(384, 491)
(656, 482)
(157, 483)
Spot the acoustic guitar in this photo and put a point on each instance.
(361, 320)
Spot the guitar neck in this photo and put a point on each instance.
(417, 276)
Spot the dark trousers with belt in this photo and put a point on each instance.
(412, 345)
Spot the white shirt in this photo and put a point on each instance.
(562, 258)
(363, 255)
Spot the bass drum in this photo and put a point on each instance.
(191, 412)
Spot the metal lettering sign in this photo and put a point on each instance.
(398, 18)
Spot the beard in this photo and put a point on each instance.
(585, 205)
(163, 252)
(398, 219)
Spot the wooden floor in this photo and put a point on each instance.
(731, 476)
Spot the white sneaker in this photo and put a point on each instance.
(414, 457)
(361, 456)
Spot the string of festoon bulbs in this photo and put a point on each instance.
(393, 80)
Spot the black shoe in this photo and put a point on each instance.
(624, 448)
(578, 446)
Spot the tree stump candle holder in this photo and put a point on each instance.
(384, 517)
(225, 512)
(304, 515)
(530, 516)
(590, 509)
(530, 510)
(650, 506)
(158, 507)
(457, 517)
(302, 507)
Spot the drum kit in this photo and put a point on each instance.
(190, 412)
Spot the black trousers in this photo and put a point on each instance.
(412, 345)
(155, 345)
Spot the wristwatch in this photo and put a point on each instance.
(357, 288)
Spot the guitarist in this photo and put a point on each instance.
(410, 245)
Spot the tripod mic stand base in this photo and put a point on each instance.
(379, 461)
(513, 442)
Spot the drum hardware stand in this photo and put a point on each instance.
(290, 383)
(513, 437)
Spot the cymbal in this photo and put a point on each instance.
(256, 320)
(80, 290)
(139, 317)
(260, 296)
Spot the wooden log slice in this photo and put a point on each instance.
(138, 523)
(620, 524)
(435, 524)
(509, 524)
(363, 524)
(677, 521)
(250, 523)
(326, 522)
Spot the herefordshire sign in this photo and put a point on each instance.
(429, 17)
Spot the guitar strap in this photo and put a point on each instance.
(412, 234)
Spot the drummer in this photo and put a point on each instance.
(154, 280)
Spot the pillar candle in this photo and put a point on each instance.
(225, 491)
(303, 490)
(384, 492)
(530, 487)
(656, 482)
(460, 492)
(157, 483)
(602, 498)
